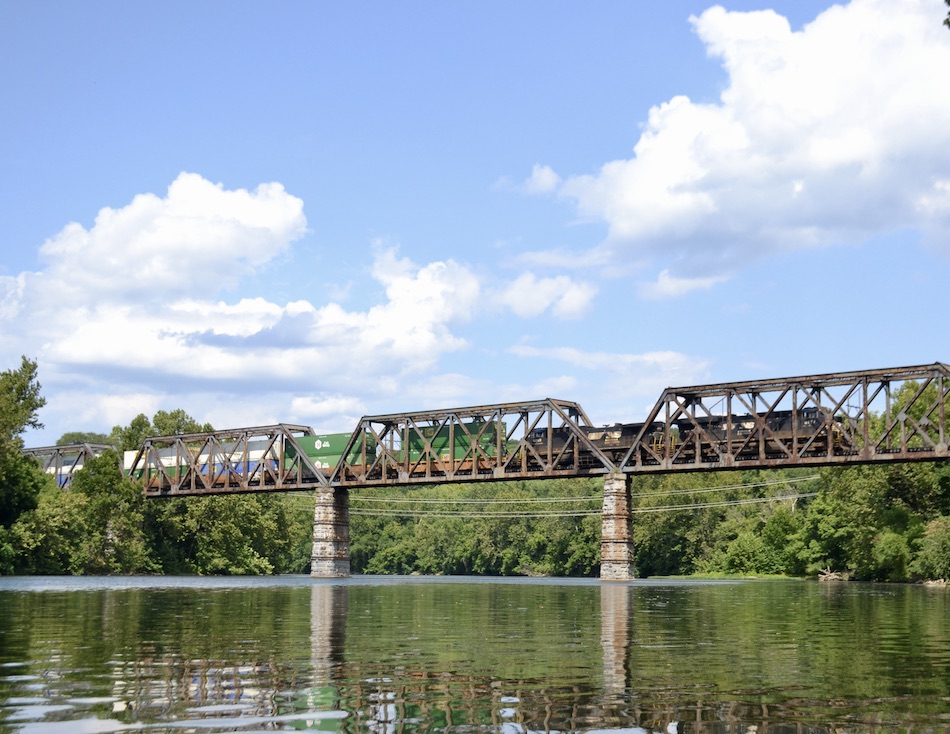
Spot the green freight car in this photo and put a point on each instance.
(476, 442)
(324, 451)
(456, 442)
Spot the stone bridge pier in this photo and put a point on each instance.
(616, 530)
(330, 557)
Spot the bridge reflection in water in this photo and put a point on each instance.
(407, 698)
(394, 655)
(419, 688)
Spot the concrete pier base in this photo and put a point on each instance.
(616, 530)
(330, 557)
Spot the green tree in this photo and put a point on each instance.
(675, 542)
(72, 438)
(46, 539)
(228, 535)
(519, 543)
(245, 534)
(933, 558)
(20, 482)
(783, 523)
(131, 437)
(868, 521)
(164, 423)
(748, 553)
(96, 527)
(20, 401)
(890, 554)
(20, 477)
(114, 538)
(177, 423)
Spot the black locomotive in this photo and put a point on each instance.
(699, 439)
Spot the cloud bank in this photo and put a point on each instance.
(831, 134)
(135, 308)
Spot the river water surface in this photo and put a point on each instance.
(382, 655)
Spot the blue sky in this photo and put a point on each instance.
(308, 212)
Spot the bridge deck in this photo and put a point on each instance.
(873, 416)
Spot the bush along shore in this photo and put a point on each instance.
(874, 523)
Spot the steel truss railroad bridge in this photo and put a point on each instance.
(819, 420)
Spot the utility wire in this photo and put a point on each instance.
(591, 513)
(726, 503)
(437, 513)
(592, 498)
(770, 483)
(468, 501)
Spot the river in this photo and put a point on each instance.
(395, 654)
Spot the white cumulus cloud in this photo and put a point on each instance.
(131, 313)
(542, 180)
(669, 286)
(632, 381)
(199, 238)
(833, 133)
(529, 296)
(318, 407)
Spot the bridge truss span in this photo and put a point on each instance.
(528, 440)
(862, 417)
(63, 461)
(259, 459)
(867, 417)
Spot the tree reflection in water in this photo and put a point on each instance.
(407, 655)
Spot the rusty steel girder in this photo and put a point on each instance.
(63, 461)
(527, 440)
(866, 417)
(871, 416)
(259, 459)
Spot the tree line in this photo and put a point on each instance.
(880, 523)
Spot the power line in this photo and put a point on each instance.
(437, 513)
(770, 483)
(592, 498)
(469, 501)
(591, 513)
(725, 503)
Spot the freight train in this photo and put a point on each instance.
(697, 440)
(706, 439)
(323, 451)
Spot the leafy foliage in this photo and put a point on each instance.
(94, 528)
(882, 523)
(20, 477)
(20, 483)
(164, 423)
(20, 401)
(103, 524)
(47, 537)
(933, 558)
(72, 438)
(113, 539)
(515, 543)
(232, 535)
